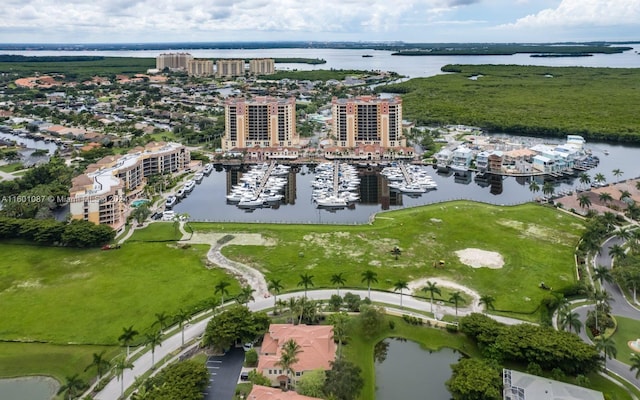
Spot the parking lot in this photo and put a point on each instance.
(225, 371)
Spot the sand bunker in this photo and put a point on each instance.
(477, 258)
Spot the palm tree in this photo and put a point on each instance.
(488, 302)
(339, 322)
(605, 197)
(338, 280)
(369, 277)
(584, 201)
(182, 317)
(607, 346)
(162, 320)
(624, 194)
(306, 280)
(221, 288)
(599, 178)
(635, 364)
(127, 337)
(396, 251)
(100, 363)
(617, 252)
(288, 357)
(585, 179)
(120, 366)
(400, 286)
(571, 320)
(245, 295)
(275, 285)
(548, 189)
(534, 187)
(295, 307)
(72, 387)
(617, 173)
(154, 339)
(432, 288)
(602, 274)
(456, 298)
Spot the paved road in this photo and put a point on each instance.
(619, 306)
(225, 371)
(143, 364)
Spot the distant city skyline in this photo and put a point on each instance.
(418, 21)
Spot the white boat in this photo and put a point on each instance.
(331, 202)
(412, 188)
(180, 193)
(188, 187)
(208, 168)
(198, 177)
(250, 203)
(170, 202)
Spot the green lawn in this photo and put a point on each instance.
(628, 329)
(57, 361)
(64, 296)
(537, 244)
(9, 168)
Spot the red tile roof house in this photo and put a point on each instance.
(266, 393)
(317, 350)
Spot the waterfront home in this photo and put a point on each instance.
(482, 161)
(543, 164)
(461, 158)
(443, 159)
(518, 161)
(317, 347)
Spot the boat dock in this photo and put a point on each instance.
(405, 173)
(265, 178)
(336, 177)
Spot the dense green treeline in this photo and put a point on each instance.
(79, 66)
(316, 75)
(598, 103)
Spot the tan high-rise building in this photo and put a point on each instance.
(173, 61)
(368, 120)
(262, 66)
(229, 68)
(200, 67)
(261, 122)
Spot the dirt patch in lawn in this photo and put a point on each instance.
(477, 258)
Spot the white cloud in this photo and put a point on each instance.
(573, 13)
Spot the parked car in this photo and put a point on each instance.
(247, 346)
(156, 215)
(244, 376)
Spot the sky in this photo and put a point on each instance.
(417, 21)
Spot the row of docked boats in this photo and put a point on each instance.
(411, 179)
(262, 186)
(335, 185)
(188, 187)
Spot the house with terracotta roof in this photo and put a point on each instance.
(317, 347)
(268, 393)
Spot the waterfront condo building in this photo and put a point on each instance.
(260, 122)
(200, 67)
(368, 120)
(229, 68)
(262, 66)
(101, 193)
(173, 61)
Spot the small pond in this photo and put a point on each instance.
(404, 368)
(28, 387)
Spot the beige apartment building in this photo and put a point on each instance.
(262, 66)
(101, 194)
(197, 67)
(173, 61)
(368, 120)
(228, 68)
(260, 122)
